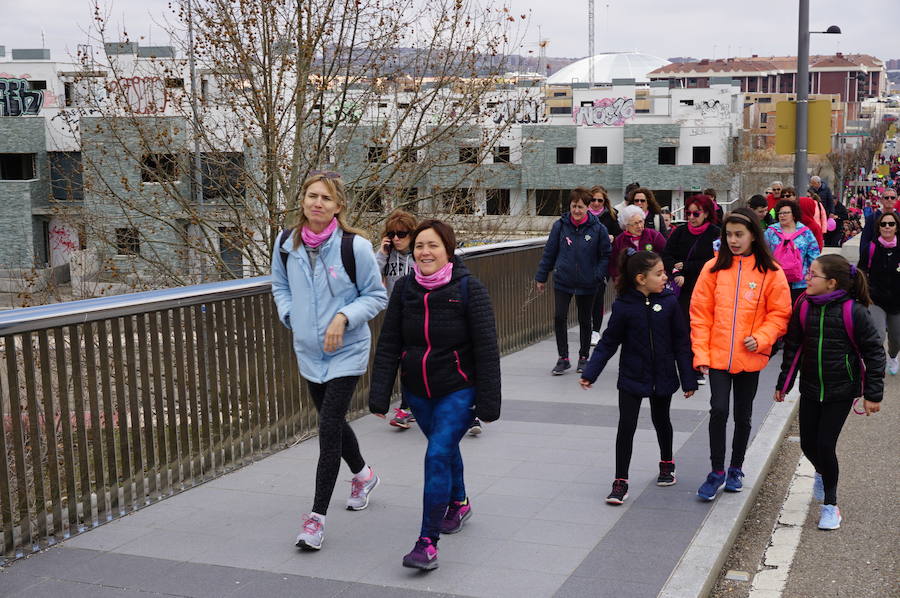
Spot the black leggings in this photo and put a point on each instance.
(584, 303)
(629, 409)
(820, 426)
(597, 311)
(720, 382)
(336, 438)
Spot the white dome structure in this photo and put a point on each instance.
(608, 66)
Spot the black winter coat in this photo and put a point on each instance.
(884, 277)
(441, 344)
(611, 223)
(694, 251)
(657, 223)
(654, 338)
(829, 365)
(577, 255)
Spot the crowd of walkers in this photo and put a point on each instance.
(706, 300)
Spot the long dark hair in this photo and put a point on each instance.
(760, 249)
(848, 277)
(632, 263)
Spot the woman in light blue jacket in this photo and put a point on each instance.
(313, 272)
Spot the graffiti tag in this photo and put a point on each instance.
(520, 111)
(606, 112)
(17, 99)
(142, 95)
(714, 108)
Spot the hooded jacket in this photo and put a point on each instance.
(394, 266)
(729, 305)
(829, 366)
(441, 343)
(813, 216)
(307, 300)
(654, 338)
(577, 255)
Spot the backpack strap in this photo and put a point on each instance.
(801, 306)
(282, 237)
(348, 259)
(847, 313)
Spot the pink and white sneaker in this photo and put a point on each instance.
(312, 535)
(424, 556)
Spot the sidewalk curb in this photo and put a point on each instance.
(697, 571)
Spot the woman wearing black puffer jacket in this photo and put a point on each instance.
(439, 329)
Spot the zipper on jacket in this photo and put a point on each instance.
(427, 347)
(737, 290)
(459, 367)
(849, 371)
(650, 333)
(821, 340)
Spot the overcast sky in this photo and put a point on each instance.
(701, 29)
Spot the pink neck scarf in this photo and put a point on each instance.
(578, 222)
(634, 239)
(596, 212)
(888, 244)
(433, 281)
(698, 230)
(315, 239)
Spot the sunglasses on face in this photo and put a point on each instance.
(400, 234)
(888, 224)
(789, 195)
(597, 200)
(890, 197)
(639, 201)
(776, 190)
(694, 213)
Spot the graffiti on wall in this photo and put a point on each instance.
(520, 111)
(605, 112)
(18, 99)
(141, 95)
(714, 108)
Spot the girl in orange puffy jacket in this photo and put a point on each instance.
(741, 305)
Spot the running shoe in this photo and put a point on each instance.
(733, 481)
(818, 487)
(830, 517)
(359, 492)
(401, 420)
(457, 514)
(619, 492)
(424, 555)
(312, 535)
(709, 488)
(475, 428)
(562, 364)
(595, 337)
(893, 365)
(582, 361)
(666, 473)
(701, 379)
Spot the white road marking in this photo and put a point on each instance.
(772, 576)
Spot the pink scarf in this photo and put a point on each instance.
(698, 230)
(888, 244)
(315, 239)
(635, 239)
(578, 222)
(433, 281)
(596, 212)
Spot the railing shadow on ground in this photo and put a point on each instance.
(111, 404)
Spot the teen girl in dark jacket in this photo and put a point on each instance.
(648, 324)
(577, 253)
(439, 329)
(820, 347)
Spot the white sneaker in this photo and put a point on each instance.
(312, 535)
(359, 492)
(893, 365)
(595, 337)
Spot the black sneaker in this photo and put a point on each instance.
(475, 428)
(562, 365)
(619, 492)
(666, 473)
(582, 361)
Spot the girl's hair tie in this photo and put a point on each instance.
(852, 271)
(630, 251)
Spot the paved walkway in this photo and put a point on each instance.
(537, 480)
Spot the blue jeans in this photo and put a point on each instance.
(444, 421)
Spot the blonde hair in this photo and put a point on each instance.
(338, 191)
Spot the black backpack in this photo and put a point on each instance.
(347, 257)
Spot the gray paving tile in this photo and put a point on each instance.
(52, 562)
(580, 587)
(524, 488)
(506, 583)
(13, 583)
(119, 571)
(278, 585)
(53, 588)
(559, 533)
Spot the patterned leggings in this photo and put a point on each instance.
(336, 438)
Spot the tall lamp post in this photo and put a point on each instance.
(803, 94)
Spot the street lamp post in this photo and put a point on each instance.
(800, 157)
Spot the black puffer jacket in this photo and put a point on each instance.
(828, 365)
(611, 223)
(694, 251)
(884, 277)
(440, 344)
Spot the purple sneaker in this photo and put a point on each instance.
(457, 514)
(424, 556)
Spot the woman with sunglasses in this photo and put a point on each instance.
(882, 263)
(689, 247)
(646, 201)
(787, 235)
(603, 210)
(395, 259)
